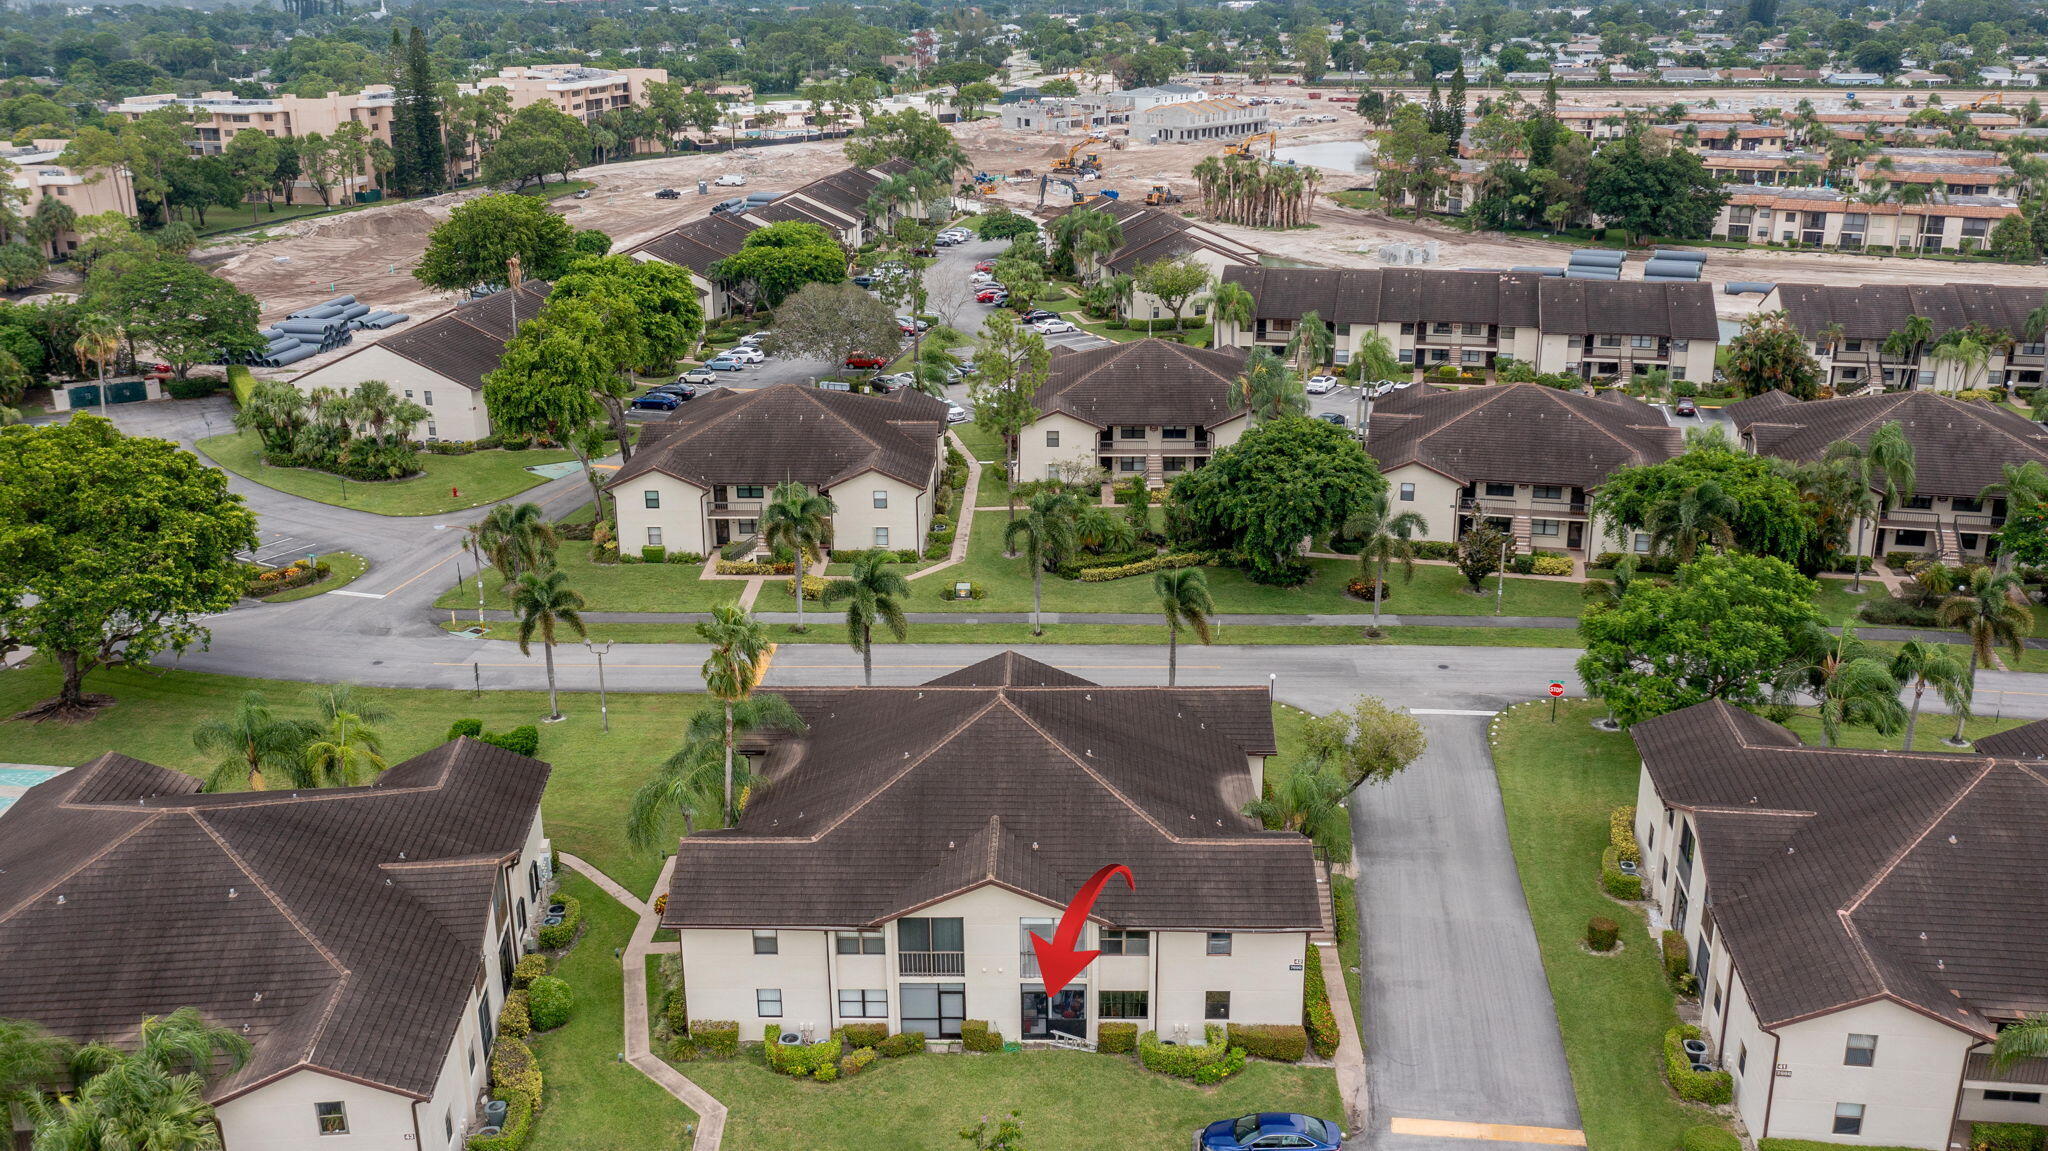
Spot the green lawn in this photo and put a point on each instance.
(344, 568)
(1066, 1099)
(592, 1101)
(1559, 782)
(445, 483)
(594, 772)
(1838, 605)
(614, 587)
(1934, 727)
(1357, 198)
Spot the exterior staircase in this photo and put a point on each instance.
(1155, 471)
(1522, 538)
(1948, 549)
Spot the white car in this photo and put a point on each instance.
(745, 353)
(1321, 385)
(1382, 389)
(955, 414)
(753, 339)
(1053, 327)
(732, 180)
(982, 278)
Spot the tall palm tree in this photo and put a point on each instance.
(348, 750)
(1311, 344)
(1047, 529)
(1964, 351)
(1991, 608)
(1384, 536)
(30, 1059)
(1849, 683)
(2018, 484)
(150, 1098)
(251, 741)
(1906, 340)
(517, 537)
(99, 340)
(1123, 288)
(544, 600)
(1268, 388)
(2036, 323)
(1184, 597)
(1233, 304)
(689, 784)
(1922, 665)
(1683, 519)
(799, 519)
(738, 659)
(1884, 465)
(874, 593)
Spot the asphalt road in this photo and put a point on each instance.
(1458, 1017)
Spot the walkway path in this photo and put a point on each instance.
(963, 528)
(1351, 1076)
(633, 964)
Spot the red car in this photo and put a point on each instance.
(865, 360)
(985, 266)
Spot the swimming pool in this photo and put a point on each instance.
(15, 780)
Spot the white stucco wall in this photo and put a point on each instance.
(280, 1116)
(907, 517)
(1436, 500)
(1077, 445)
(456, 412)
(680, 516)
(1908, 1093)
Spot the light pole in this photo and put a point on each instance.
(603, 710)
(1500, 581)
(476, 555)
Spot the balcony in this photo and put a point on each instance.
(1503, 505)
(931, 963)
(736, 509)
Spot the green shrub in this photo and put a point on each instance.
(863, 1034)
(513, 1132)
(732, 567)
(902, 1043)
(2006, 1137)
(529, 968)
(691, 558)
(1551, 566)
(1190, 1061)
(1116, 1038)
(241, 382)
(515, 1018)
(1897, 613)
(1435, 550)
(1231, 1063)
(818, 1060)
(1712, 1088)
(977, 1035)
(1602, 933)
(1900, 561)
(1317, 1019)
(1677, 967)
(709, 1039)
(513, 1067)
(1145, 566)
(564, 933)
(521, 740)
(193, 387)
(1614, 880)
(1281, 1042)
(653, 554)
(1621, 832)
(1707, 1137)
(550, 1001)
(857, 1061)
(736, 549)
(473, 728)
(675, 1011)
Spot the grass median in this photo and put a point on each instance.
(444, 484)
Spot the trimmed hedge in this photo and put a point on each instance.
(1146, 567)
(1677, 967)
(564, 933)
(1615, 881)
(1621, 832)
(814, 587)
(1281, 1042)
(473, 728)
(1317, 1019)
(549, 1001)
(864, 1034)
(2006, 1136)
(749, 567)
(1116, 1038)
(1712, 1088)
(1897, 613)
(818, 1060)
(515, 1018)
(1706, 1137)
(513, 1133)
(1211, 1062)
(1813, 1145)
(1602, 933)
(528, 969)
(1551, 566)
(708, 1039)
(856, 1061)
(977, 1035)
(522, 740)
(901, 1044)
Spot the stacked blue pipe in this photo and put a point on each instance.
(1594, 264)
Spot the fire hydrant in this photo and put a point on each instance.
(454, 493)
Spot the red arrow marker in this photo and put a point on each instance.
(1059, 960)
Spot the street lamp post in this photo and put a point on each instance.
(603, 710)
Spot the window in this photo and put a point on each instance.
(768, 1002)
(1472, 356)
(1610, 341)
(1642, 341)
(1130, 433)
(1216, 1005)
(1125, 1005)
(650, 499)
(881, 499)
(1544, 527)
(864, 1004)
(881, 537)
(1506, 333)
(937, 1009)
(1475, 329)
(1052, 439)
(765, 943)
(859, 942)
(332, 1117)
(1910, 539)
(1408, 493)
(1130, 463)
(1219, 943)
(1407, 329)
(1848, 1118)
(1441, 329)
(1861, 1052)
(1547, 492)
(429, 397)
(1641, 543)
(1500, 490)
(1995, 1095)
(1406, 355)
(431, 431)
(1741, 1058)
(747, 492)
(1116, 942)
(654, 537)
(1173, 433)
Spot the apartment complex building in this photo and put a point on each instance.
(1849, 325)
(1187, 121)
(1827, 217)
(38, 171)
(218, 116)
(1470, 320)
(576, 90)
(1151, 408)
(1835, 905)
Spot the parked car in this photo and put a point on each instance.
(731, 180)
(865, 360)
(1320, 385)
(1053, 327)
(1685, 407)
(913, 323)
(944, 240)
(982, 278)
(863, 281)
(722, 364)
(1037, 314)
(992, 295)
(752, 339)
(985, 266)
(697, 376)
(1336, 418)
(955, 414)
(895, 380)
(668, 194)
(1383, 388)
(581, 194)
(679, 391)
(1304, 1132)
(744, 353)
(657, 402)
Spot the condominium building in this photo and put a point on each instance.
(218, 117)
(575, 89)
(1849, 325)
(1826, 217)
(1151, 408)
(38, 172)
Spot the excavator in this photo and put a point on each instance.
(1076, 163)
(1161, 195)
(1074, 195)
(1249, 146)
(1990, 100)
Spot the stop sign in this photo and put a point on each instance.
(1556, 689)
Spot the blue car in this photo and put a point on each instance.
(1271, 1129)
(722, 365)
(657, 402)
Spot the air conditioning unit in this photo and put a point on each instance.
(789, 1039)
(1627, 866)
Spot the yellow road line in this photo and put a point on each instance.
(1495, 1132)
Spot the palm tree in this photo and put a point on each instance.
(1268, 389)
(2018, 484)
(1991, 608)
(1965, 352)
(1232, 303)
(874, 593)
(543, 599)
(149, 1099)
(1311, 344)
(801, 520)
(30, 1059)
(1184, 597)
(99, 339)
(2025, 1039)
(1047, 529)
(738, 659)
(348, 749)
(517, 538)
(1307, 799)
(689, 783)
(249, 742)
(1924, 665)
(1884, 465)
(1384, 536)
(2036, 323)
(1848, 682)
(1905, 341)
(1123, 287)
(1681, 520)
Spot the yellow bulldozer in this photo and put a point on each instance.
(1077, 162)
(1161, 195)
(1249, 146)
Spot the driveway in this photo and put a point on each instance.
(1458, 1018)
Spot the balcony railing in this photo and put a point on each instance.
(738, 509)
(931, 963)
(1502, 505)
(1927, 519)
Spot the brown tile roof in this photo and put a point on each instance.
(1525, 433)
(1158, 383)
(698, 244)
(1010, 773)
(2027, 741)
(1958, 448)
(1515, 299)
(795, 432)
(1874, 311)
(1154, 234)
(338, 929)
(464, 343)
(1839, 876)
